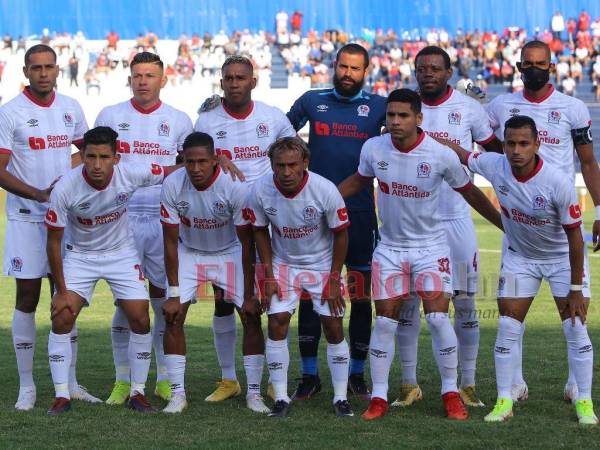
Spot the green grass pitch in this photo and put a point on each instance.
(543, 421)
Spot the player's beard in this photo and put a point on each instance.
(347, 92)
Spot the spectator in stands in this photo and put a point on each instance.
(73, 70)
(569, 85)
(557, 25)
(296, 22)
(112, 40)
(8, 42)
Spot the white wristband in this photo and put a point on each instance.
(576, 287)
(173, 291)
(598, 212)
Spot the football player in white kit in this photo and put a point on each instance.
(150, 131)
(243, 130)
(563, 123)
(542, 222)
(306, 252)
(37, 129)
(92, 201)
(202, 212)
(450, 115)
(413, 255)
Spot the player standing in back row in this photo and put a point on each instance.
(37, 129)
(149, 132)
(341, 120)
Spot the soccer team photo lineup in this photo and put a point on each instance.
(365, 215)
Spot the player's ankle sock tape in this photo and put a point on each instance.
(59, 357)
(444, 343)
(507, 341)
(466, 326)
(278, 361)
(140, 354)
(337, 359)
(359, 329)
(382, 354)
(581, 356)
(253, 366)
(176, 372)
(120, 344)
(225, 334)
(23, 336)
(407, 337)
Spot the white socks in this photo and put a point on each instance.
(381, 354)
(338, 359)
(278, 361)
(59, 358)
(176, 373)
(253, 365)
(443, 342)
(140, 353)
(158, 332)
(581, 356)
(74, 350)
(224, 332)
(23, 335)
(466, 327)
(407, 336)
(120, 344)
(507, 344)
(518, 359)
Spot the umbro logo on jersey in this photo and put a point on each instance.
(164, 129)
(363, 110)
(262, 130)
(382, 165)
(503, 189)
(423, 170)
(454, 118)
(514, 111)
(33, 122)
(271, 211)
(16, 264)
(221, 134)
(539, 202)
(68, 119)
(83, 206)
(121, 198)
(554, 117)
(123, 126)
(322, 108)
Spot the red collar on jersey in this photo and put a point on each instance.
(88, 181)
(145, 110)
(27, 93)
(241, 115)
(420, 137)
(534, 172)
(440, 100)
(293, 194)
(539, 100)
(212, 179)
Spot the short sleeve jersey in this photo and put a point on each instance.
(535, 209)
(303, 223)
(38, 138)
(146, 136)
(245, 139)
(206, 218)
(97, 218)
(555, 116)
(461, 120)
(410, 181)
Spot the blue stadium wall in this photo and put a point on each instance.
(170, 18)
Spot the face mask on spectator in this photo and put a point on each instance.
(534, 78)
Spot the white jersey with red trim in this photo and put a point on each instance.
(146, 136)
(462, 120)
(38, 138)
(410, 182)
(555, 116)
(97, 218)
(206, 218)
(535, 209)
(246, 138)
(303, 223)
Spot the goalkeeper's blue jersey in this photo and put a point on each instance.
(339, 126)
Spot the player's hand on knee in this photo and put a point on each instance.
(251, 306)
(576, 306)
(332, 294)
(230, 168)
(271, 289)
(596, 235)
(64, 301)
(172, 310)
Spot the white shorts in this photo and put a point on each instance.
(148, 238)
(521, 277)
(121, 269)
(292, 280)
(464, 253)
(223, 270)
(25, 250)
(397, 272)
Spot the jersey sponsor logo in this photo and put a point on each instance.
(539, 202)
(342, 214)
(402, 190)
(123, 126)
(262, 130)
(163, 128)
(443, 135)
(83, 206)
(310, 214)
(322, 108)
(123, 147)
(575, 211)
(322, 129)
(219, 208)
(503, 189)
(121, 198)
(51, 216)
(298, 232)
(348, 130)
(554, 117)
(68, 120)
(514, 111)
(363, 110)
(84, 221)
(33, 122)
(182, 207)
(382, 165)
(37, 143)
(156, 169)
(526, 219)
(454, 118)
(225, 152)
(271, 211)
(545, 138)
(423, 170)
(17, 264)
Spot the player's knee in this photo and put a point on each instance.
(278, 326)
(333, 329)
(28, 297)
(251, 321)
(437, 321)
(63, 322)
(140, 325)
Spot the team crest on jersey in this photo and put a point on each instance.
(322, 108)
(423, 170)
(454, 118)
(310, 214)
(554, 117)
(503, 189)
(121, 198)
(16, 264)
(539, 202)
(382, 165)
(83, 206)
(164, 129)
(221, 134)
(514, 111)
(33, 122)
(262, 130)
(123, 126)
(363, 110)
(68, 119)
(219, 208)
(271, 211)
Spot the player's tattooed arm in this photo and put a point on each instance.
(246, 238)
(172, 307)
(15, 186)
(495, 146)
(332, 291)
(210, 103)
(577, 306)
(354, 184)
(229, 167)
(477, 199)
(270, 286)
(591, 177)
